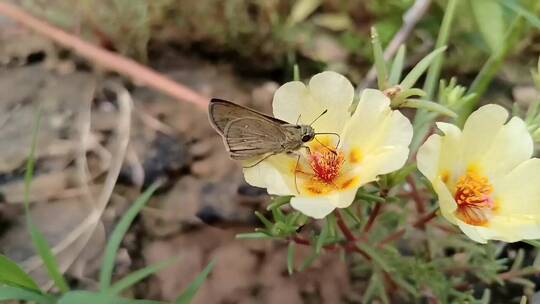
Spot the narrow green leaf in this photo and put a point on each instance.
(380, 64)
(420, 68)
(117, 235)
(139, 275)
(255, 236)
(381, 262)
(489, 18)
(290, 257)
(428, 105)
(87, 297)
(11, 274)
(369, 197)
(38, 240)
(397, 66)
(189, 293)
(516, 7)
(45, 252)
(10, 293)
(296, 72)
(322, 237)
(278, 202)
(309, 261)
(264, 220)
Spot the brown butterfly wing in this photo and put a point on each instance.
(222, 112)
(253, 137)
(246, 133)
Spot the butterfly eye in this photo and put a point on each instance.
(307, 138)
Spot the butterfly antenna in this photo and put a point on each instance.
(329, 149)
(324, 112)
(331, 133)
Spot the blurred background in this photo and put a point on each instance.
(239, 50)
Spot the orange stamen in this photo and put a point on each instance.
(473, 196)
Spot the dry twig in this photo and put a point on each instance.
(104, 58)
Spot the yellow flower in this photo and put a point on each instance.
(373, 141)
(485, 178)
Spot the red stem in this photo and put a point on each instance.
(344, 228)
(419, 202)
(374, 213)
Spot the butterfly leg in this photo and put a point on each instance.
(259, 161)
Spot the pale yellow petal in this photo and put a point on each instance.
(451, 160)
(511, 146)
(381, 161)
(447, 204)
(367, 126)
(290, 99)
(343, 199)
(315, 207)
(333, 92)
(428, 156)
(275, 174)
(518, 193)
(473, 232)
(513, 228)
(480, 131)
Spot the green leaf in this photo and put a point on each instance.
(489, 18)
(312, 257)
(290, 257)
(266, 222)
(8, 293)
(86, 297)
(296, 72)
(380, 64)
(420, 68)
(397, 66)
(117, 235)
(516, 7)
(11, 274)
(139, 275)
(255, 236)
(428, 105)
(189, 293)
(374, 254)
(278, 202)
(38, 240)
(322, 237)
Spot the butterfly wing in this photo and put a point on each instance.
(222, 112)
(246, 133)
(250, 137)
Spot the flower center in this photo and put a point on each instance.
(473, 196)
(326, 165)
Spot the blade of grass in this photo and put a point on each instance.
(139, 275)
(518, 9)
(189, 293)
(10, 293)
(39, 241)
(428, 105)
(105, 276)
(13, 275)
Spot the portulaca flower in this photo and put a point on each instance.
(372, 141)
(485, 178)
